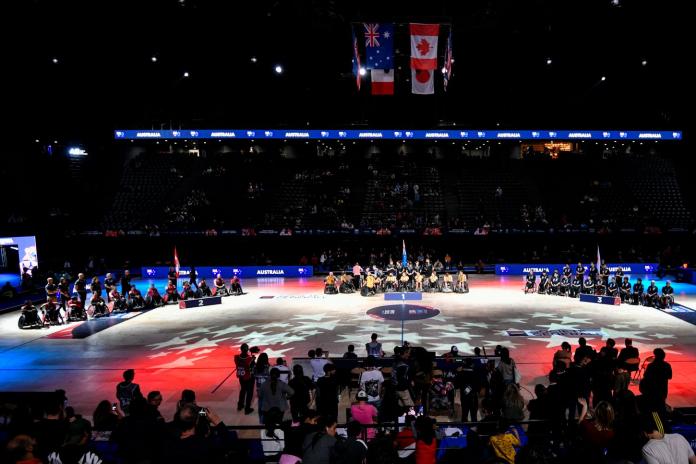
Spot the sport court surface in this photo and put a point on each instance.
(172, 349)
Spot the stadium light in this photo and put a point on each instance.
(549, 61)
(55, 60)
(644, 62)
(362, 71)
(186, 74)
(37, 140)
(604, 78)
(153, 59)
(444, 70)
(278, 69)
(253, 59)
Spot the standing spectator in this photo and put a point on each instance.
(154, 400)
(426, 442)
(105, 417)
(319, 446)
(243, 363)
(507, 368)
(317, 362)
(374, 348)
(283, 369)
(352, 450)
(364, 413)
(303, 388)
(126, 391)
(272, 437)
(513, 404)
(504, 442)
(598, 433)
(327, 392)
(262, 372)
(654, 385)
(402, 378)
(274, 393)
(50, 431)
(470, 385)
(563, 355)
(350, 354)
(371, 381)
(629, 352)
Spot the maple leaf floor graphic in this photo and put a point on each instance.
(172, 349)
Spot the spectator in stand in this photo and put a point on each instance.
(317, 361)
(243, 363)
(352, 450)
(513, 404)
(364, 413)
(507, 368)
(426, 442)
(319, 446)
(350, 354)
(127, 390)
(403, 384)
(262, 373)
(20, 450)
(196, 437)
(154, 400)
(583, 350)
(303, 388)
(371, 381)
(283, 369)
(374, 348)
(504, 442)
(106, 417)
(629, 352)
(563, 355)
(328, 392)
(596, 433)
(274, 394)
(50, 431)
(664, 448)
(654, 385)
(273, 437)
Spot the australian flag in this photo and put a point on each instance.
(379, 45)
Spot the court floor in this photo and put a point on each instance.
(172, 349)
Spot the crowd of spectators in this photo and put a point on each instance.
(586, 413)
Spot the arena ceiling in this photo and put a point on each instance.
(87, 67)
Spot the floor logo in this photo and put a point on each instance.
(403, 312)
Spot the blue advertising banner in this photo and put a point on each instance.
(522, 269)
(372, 134)
(209, 272)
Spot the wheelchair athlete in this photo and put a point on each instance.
(51, 313)
(404, 280)
(346, 284)
(575, 286)
(204, 289)
(330, 284)
(530, 284)
(638, 296)
(220, 288)
(564, 287)
(447, 283)
(153, 297)
(433, 282)
(171, 295)
(236, 286)
(555, 284)
(368, 288)
(390, 283)
(29, 318)
(651, 297)
(98, 307)
(135, 299)
(119, 303)
(188, 292)
(667, 298)
(613, 288)
(543, 282)
(462, 283)
(75, 310)
(588, 287)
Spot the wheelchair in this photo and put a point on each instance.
(222, 291)
(530, 287)
(135, 303)
(366, 291)
(155, 302)
(205, 291)
(100, 309)
(666, 301)
(330, 289)
(30, 320)
(346, 287)
(119, 305)
(52, 315)
(462, 288)
(76, 312)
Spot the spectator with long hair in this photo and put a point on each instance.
(318, 447)
(426, 440)
(272, 436)
(262, 372)
(105, 417)
(596, 433)
(513, 404)
(274, 394)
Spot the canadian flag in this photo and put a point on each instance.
(424, 45)
(382, 81)
(422, 82)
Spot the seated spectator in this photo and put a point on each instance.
(50, 431)
(154, 399)
(563, 355)
(272, 437)
(513, 404)
(596, 433)
(195, 437)
(20, 450)
(352, 450)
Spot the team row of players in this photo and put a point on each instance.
(389, 281)
(636, 293)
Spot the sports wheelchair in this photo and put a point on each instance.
(30, 319)
(51, 314)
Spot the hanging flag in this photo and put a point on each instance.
(176, 263)
(422, 81)
(599, 259)
(356, 60)
(404, 259)
(382, 81)
(424, 45)
(379, 45)
(447, 74)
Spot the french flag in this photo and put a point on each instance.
(382, 81)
